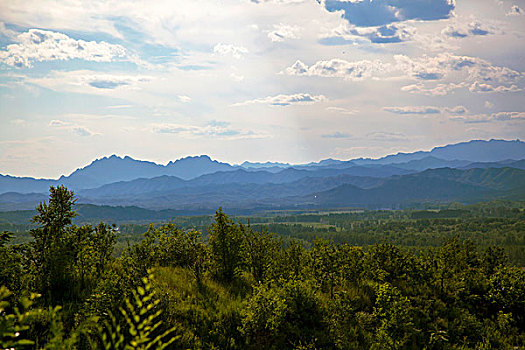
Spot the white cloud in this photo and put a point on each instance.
(485, 118)
(489, 104)
(38, 45)
(386, 136)
(284, 100)
(454, 32)
(211, 129)
(391, 33)
(456, 110)
(441, 67)
(184, 99)
(504, 116)
(284, 31)
(165, 22)
(86, 81)
(348, 33)
(413, 110)
(338, 68)
(437, 90)
(72, 127)
(460, 71)
(82, 131)
(471, 72)
(487, 88)
(426, 110)
(230, 50)
(472, 119)
(341, 110)
(474, 28)
(58, 123)
(515, 10)
(446, 64)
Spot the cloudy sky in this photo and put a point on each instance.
(281, 80)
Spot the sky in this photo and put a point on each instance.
(268, 80)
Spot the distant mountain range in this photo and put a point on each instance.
(467, 172)
(473, 151)
(430, 186)
(113, 169)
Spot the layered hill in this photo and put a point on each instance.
(433, 186)
(465, 172)
(430, 186)
(472, 151)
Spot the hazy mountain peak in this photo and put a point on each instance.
(106, 158)
(200, 158)
(114, 168)
(482, 150)
(473, 151)
(268, 164)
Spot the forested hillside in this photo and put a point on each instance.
(240, 286)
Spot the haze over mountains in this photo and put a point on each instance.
(466, 172)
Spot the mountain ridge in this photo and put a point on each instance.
(433, 185)
(465, 150)
(113, 169)
(430, 186)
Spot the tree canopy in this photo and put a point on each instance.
(239, 286)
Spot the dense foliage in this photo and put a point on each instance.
(238, 286)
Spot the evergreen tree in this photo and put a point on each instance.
(51, 252)
(226, 247)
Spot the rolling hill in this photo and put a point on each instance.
(430, 186)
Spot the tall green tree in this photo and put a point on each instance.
(11, 261)
(261, 249)
(67, 261)
(225, 242)
(51, 255)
